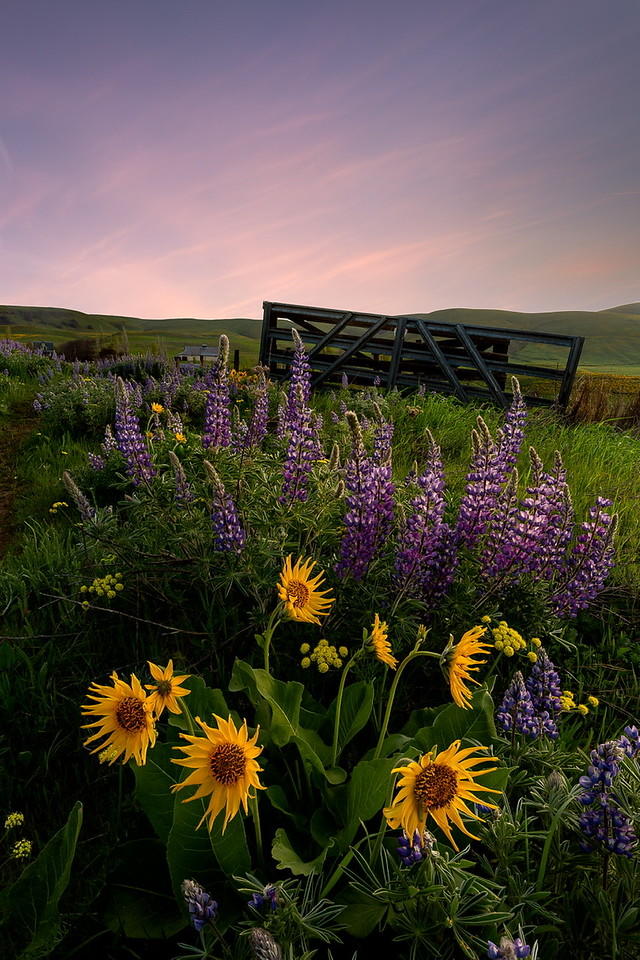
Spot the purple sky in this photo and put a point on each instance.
(194, 157)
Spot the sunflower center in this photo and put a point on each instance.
(130, 714)
(436, 786)
(227, 763)
(164, 688)
(297, 593)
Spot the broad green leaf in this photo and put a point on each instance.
(361, 916)
(286, 857)
(357, 703)
(139, 901)
(368, 788)
(29, 907)
(455, 723)
(196, 854)
(284, 700)
(153, 783)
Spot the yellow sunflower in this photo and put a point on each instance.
(299, 594)
(457, 663)
(224, 767)
(438, 786)
(126, 719)
(167, 689)
(379, 640)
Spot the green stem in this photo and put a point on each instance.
(267, 636)
(336, 722)
(392, 693)
(188, 717)
(546, 850)
(255, 816)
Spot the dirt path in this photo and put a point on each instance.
(13, 432)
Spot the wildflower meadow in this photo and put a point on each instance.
(292, 675)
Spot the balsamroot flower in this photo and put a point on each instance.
(167, 690)
(299, 594)
(457, 662)
(126, 722)
(224, 768)
(438, 785)
(380, 643)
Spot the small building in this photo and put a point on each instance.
(46, 346)
(197, 354)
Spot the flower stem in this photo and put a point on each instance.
(255, 816)
(267, 636)
(392, 693)
(336, 722)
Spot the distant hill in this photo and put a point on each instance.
(612, 336)
(167, 334)
(625, 308)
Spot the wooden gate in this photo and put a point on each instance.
(471, 362)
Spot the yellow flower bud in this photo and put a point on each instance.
(536, 641)
(485, 619)
(304, 648)
(343, 652)
(305, 663)
(323, 667)
(583, 709)
(509, 651)
(593, 701)
(533, 657)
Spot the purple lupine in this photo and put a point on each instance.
(129, 439)
(511, 434)
(420, 542)
(629, 742)
(229, 535)
(299, 392)
(344, 380)
(301, 453)
(543, 685)
(604, 823)
(369, 498)
(203, 909)
(109, 443)
(508, 950)
(413, 850)
(268, 896)
(589, 563)
(184, 493)
(500, 546)
(86, 511)
(257, 429)
(486, 475)
(516, 713)
(217, 416)
(96, 462)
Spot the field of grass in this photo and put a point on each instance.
(612, 336)
(131, 568)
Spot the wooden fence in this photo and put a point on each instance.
(471, 362)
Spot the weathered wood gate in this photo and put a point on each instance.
(471, 362)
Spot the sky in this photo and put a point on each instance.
(183, 158)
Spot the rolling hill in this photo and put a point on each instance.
(612, 336)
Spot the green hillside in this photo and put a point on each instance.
(169, 335)
(612, 336)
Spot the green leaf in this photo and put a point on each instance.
(455, 723)
(29, 907)
(287, 859)
(193, 853)
(284, 700)
(357, 703)
(139, 901)
(368, 788)
(203, 702)
(153, 783)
